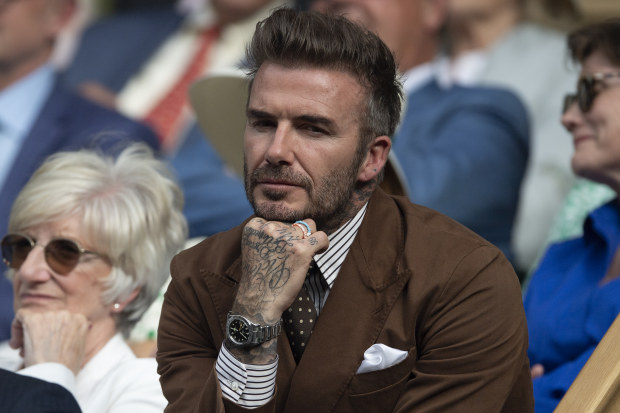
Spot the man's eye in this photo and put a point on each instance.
(262, 124)
(315, 129)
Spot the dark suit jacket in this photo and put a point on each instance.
(464, 151)
(114, 48)
(23, 394)
(66, 122)
(413, 280)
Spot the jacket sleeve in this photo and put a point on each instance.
(472, 158)
(472, 343)
(551, 387)
(470, 163)
(187, 353)
(42, 397)
(202, 174)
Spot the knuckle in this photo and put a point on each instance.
(253, 223)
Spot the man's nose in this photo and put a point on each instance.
(281, 150)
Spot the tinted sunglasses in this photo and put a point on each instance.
(587, 88)
(62, 255)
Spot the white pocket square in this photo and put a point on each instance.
(380, 357)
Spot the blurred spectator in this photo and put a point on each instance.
(19, 394)
(463, 149)
(107, 229)
(492, 42)
(39, 116)
(573, 296)
(142, 61)
(68, 39)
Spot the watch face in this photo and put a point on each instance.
(238, 331)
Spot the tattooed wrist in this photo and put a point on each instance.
(265, 353)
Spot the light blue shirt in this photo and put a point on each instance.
(20, 105)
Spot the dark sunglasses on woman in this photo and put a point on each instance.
(61, 254)
(587, 88)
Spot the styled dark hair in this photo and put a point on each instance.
(295, 39)
(601, 37)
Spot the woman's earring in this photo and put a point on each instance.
(117, 306)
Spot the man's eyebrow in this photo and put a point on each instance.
(253, 113)
(314, 119)
(317, 120)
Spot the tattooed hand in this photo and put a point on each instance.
(275, 259)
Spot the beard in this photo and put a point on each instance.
(329, 202)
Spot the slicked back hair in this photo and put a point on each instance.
(297, 39)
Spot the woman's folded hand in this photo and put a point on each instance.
(50, 336)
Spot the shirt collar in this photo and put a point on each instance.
(604, 223)
(417, 76)
(465, 70)
(20, 103)
(330, 261)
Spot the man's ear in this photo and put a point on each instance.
(375, 159)
(434, 14)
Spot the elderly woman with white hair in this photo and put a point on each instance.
(89, 245)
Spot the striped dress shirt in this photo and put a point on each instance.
(251, 385)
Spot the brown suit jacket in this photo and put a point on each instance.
(413, 280)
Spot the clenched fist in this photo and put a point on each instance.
(276, 257)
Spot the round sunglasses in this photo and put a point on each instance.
(586, 91)
(61, 254)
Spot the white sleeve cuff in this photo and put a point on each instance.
(53, 373)
(248, 385)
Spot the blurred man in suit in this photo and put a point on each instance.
(143, 59)
(20, 394)
(463, 150)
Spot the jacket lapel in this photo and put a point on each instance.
(355, 312)
(44, 138)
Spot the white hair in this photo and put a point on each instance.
(131, 211)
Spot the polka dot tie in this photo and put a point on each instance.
(299, 320)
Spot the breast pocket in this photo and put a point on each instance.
(378, 391)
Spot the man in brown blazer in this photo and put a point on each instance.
(336, 297)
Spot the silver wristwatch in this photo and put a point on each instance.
(241, 332)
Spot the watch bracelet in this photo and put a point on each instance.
(268, 332)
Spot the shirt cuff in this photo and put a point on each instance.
(248, 385)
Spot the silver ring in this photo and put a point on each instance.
(306, 231)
